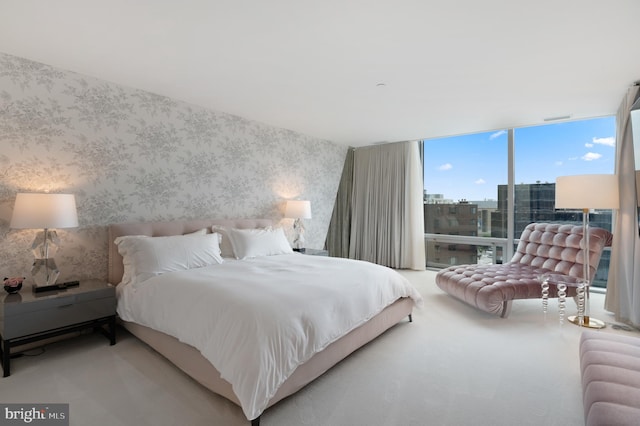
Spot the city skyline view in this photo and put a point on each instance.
(472, 166)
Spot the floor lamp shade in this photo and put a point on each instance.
(585, 192)
(44, 211)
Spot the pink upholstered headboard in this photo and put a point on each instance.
(160, 229)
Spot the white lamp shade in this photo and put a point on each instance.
(296, 209)
(32, 211)
(587, 192)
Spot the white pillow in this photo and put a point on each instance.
(258, 242)
(226, 249)
(144, 257)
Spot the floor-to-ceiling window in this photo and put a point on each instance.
(461, 179)
(468, 212)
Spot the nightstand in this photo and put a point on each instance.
(27, 316)
(313, 252)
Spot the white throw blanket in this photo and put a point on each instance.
(256, 320)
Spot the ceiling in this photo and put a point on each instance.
(352, 71)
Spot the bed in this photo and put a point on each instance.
(146, 305)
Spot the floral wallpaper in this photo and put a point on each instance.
(130, 155)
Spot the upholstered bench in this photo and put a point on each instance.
(544, 248)
(610, 368)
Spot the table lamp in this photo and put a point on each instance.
(298, 210)
(586, 192)
(46, 211)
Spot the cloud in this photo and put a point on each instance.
(446, 166)
(609, 141)
(480, 181)
(558, 163)
(497, 134)
(588, 145)
(590, 156)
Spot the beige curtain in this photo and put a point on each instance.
(387, 211)
(623, 286)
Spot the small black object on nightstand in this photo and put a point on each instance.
(60, 286)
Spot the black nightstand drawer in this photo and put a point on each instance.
(29, 302)
(314, 252)
(65, 312)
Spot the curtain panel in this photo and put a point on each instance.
(337, 243)
(623, 286)
(387, 209)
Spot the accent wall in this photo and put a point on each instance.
(130, 155)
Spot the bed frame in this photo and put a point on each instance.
(191, 361)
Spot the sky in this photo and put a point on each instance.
(472, 166)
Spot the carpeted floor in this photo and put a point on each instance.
(453, 365)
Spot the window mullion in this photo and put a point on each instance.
(511, 195)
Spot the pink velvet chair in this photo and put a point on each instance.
(544, 248)
(610, 371)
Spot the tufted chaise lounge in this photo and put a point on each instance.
(544, 248)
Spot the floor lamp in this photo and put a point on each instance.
(586, 192)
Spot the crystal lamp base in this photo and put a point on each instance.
(44, 271)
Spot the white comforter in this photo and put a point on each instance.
(256, 320)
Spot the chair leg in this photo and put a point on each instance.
(506, 308)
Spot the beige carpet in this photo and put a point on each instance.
(453, 365)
